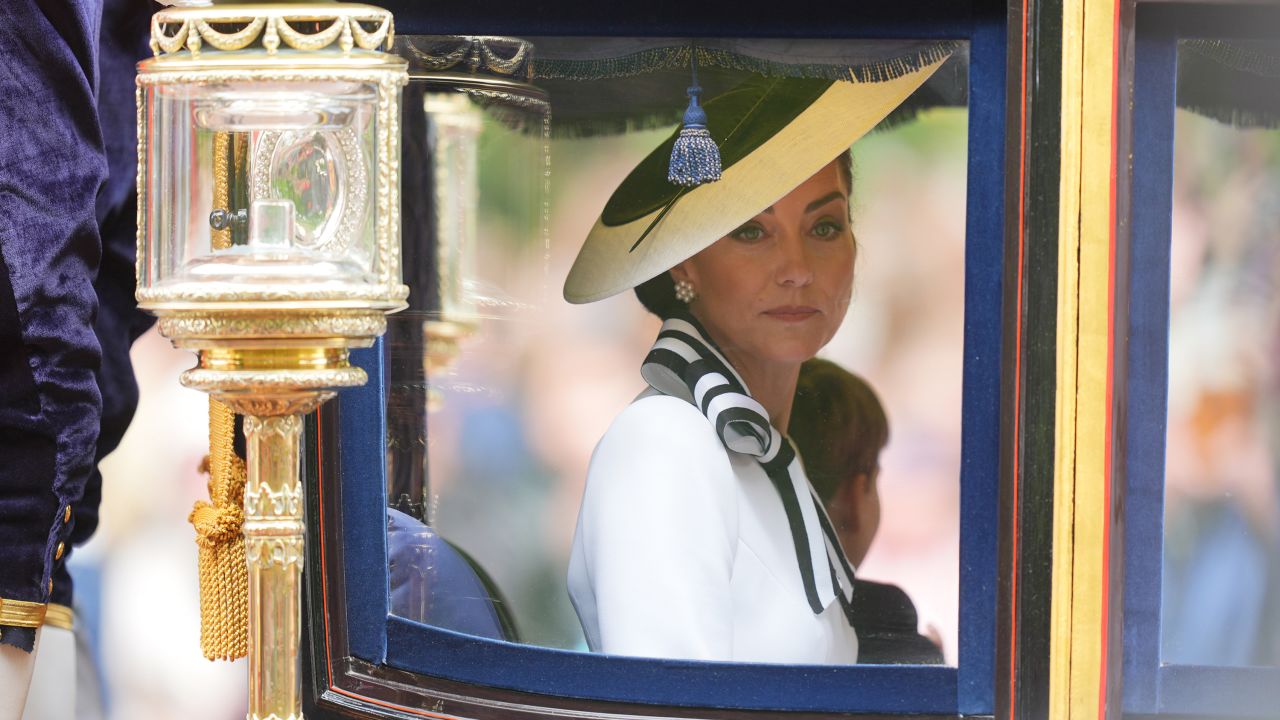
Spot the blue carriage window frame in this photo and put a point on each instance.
(377, 638)
(1149, 686)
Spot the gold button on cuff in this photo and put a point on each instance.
(22, 613)
(57, 553)
(60, 616)
(66, 515)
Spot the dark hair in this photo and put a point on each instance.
(658, 294)
(837, 425)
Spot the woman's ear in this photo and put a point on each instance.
(684, 271)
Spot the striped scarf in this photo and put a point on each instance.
(684, 364)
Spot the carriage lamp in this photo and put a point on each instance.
(268, 244)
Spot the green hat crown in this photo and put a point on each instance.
(738, 121)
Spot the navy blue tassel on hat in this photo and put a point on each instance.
(695, 159)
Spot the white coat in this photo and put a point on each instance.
(683, 550)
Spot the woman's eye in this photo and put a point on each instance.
(827, 229)
(750, 232)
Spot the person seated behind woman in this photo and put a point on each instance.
(839, 428)
(698, 535)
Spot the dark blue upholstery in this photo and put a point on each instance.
(435, 583)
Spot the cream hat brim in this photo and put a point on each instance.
(607, 264)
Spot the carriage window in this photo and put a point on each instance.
(502, 526)
(1222, 467)
(1202, 563)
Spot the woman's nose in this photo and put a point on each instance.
(795, 267)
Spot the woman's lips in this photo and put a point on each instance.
(791, 313)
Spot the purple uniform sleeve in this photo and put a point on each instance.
(52, 167)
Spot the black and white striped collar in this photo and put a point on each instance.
(684, 363)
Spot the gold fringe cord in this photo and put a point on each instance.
(224, 575)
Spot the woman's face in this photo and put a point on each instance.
(775, 290)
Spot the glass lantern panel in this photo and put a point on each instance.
(261, 184)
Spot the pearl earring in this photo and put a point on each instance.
(685, 292)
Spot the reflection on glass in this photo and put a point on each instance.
(434, 581)
(447, 131)
(307, 173)
(1221, 595)
(538, 383)
(455, 125)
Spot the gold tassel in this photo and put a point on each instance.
(224, 572)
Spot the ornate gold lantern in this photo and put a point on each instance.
(268, 243)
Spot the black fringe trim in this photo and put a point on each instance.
(677, 57)
(1233, 82)
(1236, 56)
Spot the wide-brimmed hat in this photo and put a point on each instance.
(773, 133)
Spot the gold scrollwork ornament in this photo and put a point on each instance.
(269, 27)
(262, 502)
(273, 552)
(264, 325)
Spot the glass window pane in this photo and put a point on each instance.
(1221, 595)
(531, 383)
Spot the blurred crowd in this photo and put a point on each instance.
(1221, 598)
